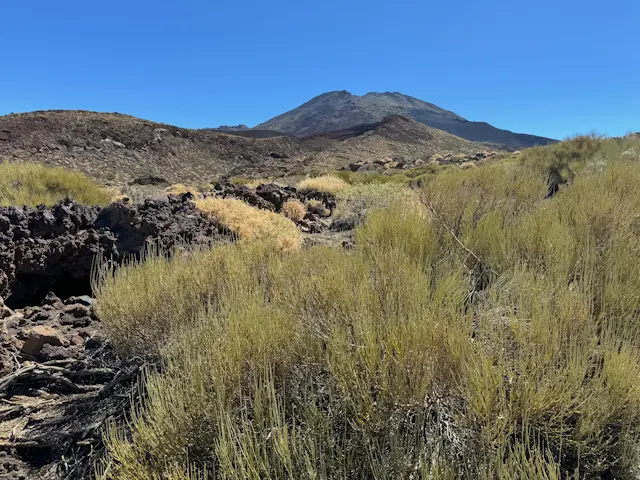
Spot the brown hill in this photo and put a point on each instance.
(394, 138)
(116, 149)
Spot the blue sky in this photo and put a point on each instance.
(551, 68)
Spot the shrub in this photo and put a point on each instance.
(251, 223)
(560, 162)
(393, 360)
(326, 183)
(33, 184)
(355, 202)
(294, 210)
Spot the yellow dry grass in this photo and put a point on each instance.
(294, 210)
(251, 223)
(326, 183)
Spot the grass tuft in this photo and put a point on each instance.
(251, 223)
(326, 183)
(34, 184)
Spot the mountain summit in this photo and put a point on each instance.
(341, 110)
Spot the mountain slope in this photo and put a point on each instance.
(341, 110)
(116, 149)
(394, 138)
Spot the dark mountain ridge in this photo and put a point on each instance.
(341, 110)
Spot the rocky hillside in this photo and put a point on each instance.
(117, 149)
(342, 110)
(398, 139)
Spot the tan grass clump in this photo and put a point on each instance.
(34, 184)
(294, 210)
(251, 223)
(326, 183)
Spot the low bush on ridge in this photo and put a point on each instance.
(495, 336)
(34, 184)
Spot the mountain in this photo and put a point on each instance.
(232, 128)
(341, 110)
(116, 149)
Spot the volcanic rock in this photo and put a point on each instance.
(40, 336)
(53, 249)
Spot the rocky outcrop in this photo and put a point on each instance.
(271, 196)
(241, 192)
(46, 249)
(276, 194)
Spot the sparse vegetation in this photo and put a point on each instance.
(317, 207)
(180, 188)
(252, 182)
(33, 184)
(251, 223)
(484, 332)
(326, 183)
(359, 178)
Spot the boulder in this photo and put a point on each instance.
(76, 310)
(85, 300)
(276, 195)
(40, 336)
(52, 300)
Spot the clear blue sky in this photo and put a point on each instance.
(547, 67)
